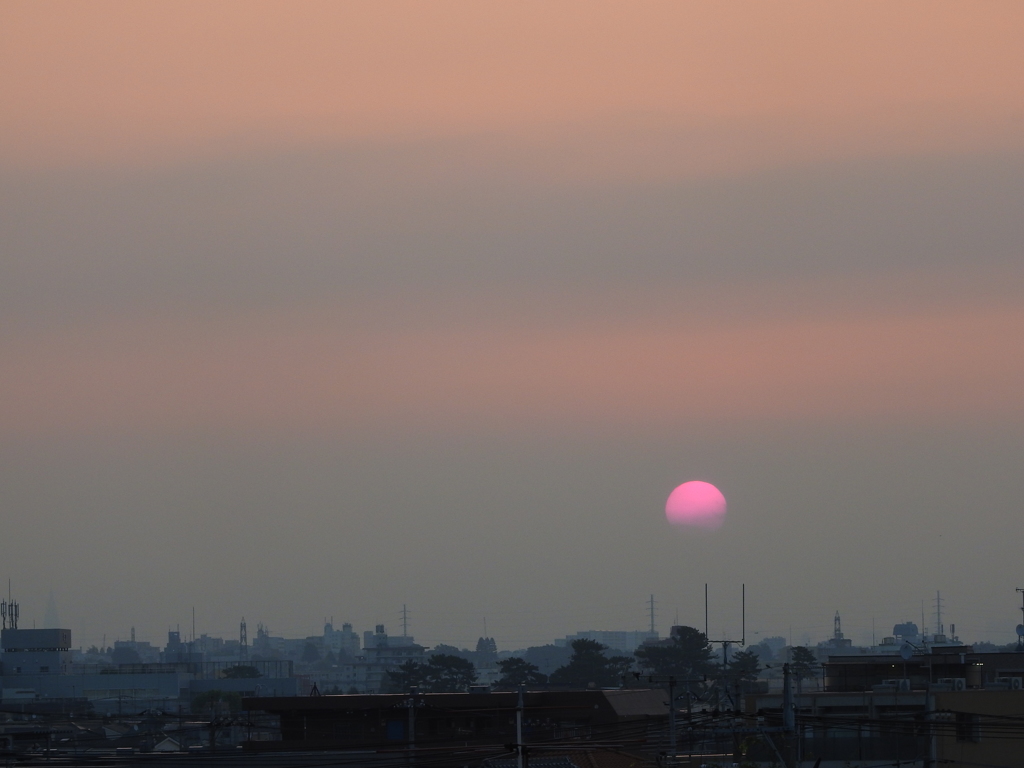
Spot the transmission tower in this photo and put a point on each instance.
(939, 628)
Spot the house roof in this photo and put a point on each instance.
(624, 703)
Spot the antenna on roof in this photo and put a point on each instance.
(1020, 635)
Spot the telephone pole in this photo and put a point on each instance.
(672, 682)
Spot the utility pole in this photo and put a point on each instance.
(671, 681)
(520, 749)
(788, 716)
(672, 735)
(413, 695)
(929, 718)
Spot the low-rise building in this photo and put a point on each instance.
(446, 720)
(888, 726)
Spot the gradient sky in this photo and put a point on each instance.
(315, 309)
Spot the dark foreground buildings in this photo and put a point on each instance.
(479, 725)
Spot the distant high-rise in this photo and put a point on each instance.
(50, 618)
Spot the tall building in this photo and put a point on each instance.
(341, 641)
(36, 651)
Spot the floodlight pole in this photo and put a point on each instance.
(726, 643)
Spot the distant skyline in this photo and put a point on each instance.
(317, 309)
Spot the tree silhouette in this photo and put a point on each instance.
(516, 672)
(743, 667)
(803, 665)
(589, 666)
(443, 673)
(685, 655)
(449, 674)
(409, 674)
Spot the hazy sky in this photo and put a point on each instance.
(315, 309)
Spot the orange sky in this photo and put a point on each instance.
(233, 219)
(315, 373)
(150, 82)
(654, 88)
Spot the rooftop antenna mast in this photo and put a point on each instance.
(10, 610)
(1020, 627)
(651, 603)
(243, 641)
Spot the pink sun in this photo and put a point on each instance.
(697, 504)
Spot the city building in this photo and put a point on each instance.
(341, 642)
(382, 653)
(35, 652)
(436, 721)
(922, 668)
(36, 668)
(890, 726)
